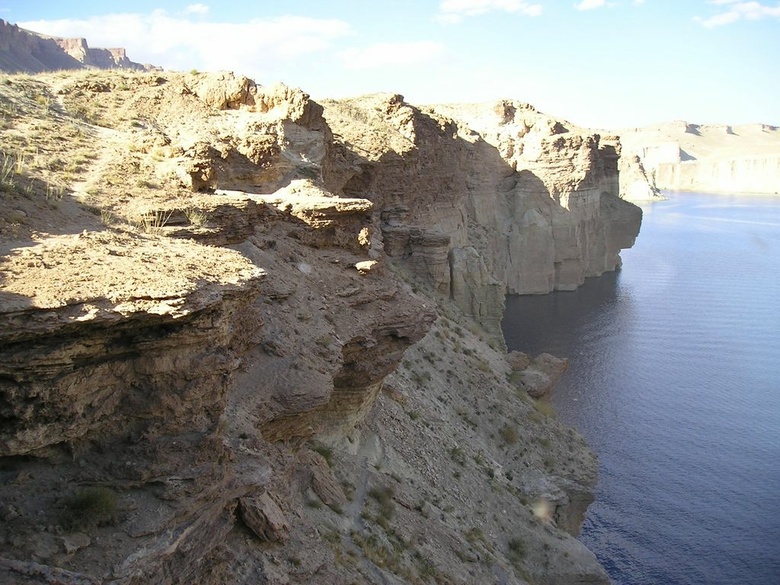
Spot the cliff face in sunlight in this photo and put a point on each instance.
(251, 338)
(25, 51)
(713, 159)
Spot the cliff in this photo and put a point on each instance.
(26, 51)
(481, 200)
(251, 338)
(710, 158)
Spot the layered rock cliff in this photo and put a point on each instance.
(709, 158)
(26, 51)
(248, 338)
(480, 200)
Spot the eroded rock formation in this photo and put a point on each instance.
(245, 345)
(533, 203)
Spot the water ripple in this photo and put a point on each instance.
(675, 381)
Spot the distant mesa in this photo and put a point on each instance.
(24, 51)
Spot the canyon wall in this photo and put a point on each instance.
(25, 51)
(247, 337)
(680, 156)
(748, 174)
(483, 200)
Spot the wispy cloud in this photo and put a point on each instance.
(590, 4)
(189, 40)
(735, 10)
(453, 11)
(197, 9)
(391, 55)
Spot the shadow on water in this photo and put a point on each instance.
(544, 323)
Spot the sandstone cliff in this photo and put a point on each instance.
(246, 338)
(480, 200)
(713, 159)
(26, 51)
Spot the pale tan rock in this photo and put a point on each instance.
(682, 156)
(223, 90)
(366, 266)
(518, 360)
(265, 518)
(542, 374)
(322, 481)
(75, 542)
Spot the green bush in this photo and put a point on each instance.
(88, 508)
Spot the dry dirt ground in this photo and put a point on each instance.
(83, 200)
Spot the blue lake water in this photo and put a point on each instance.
(674, 379)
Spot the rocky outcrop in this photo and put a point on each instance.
(240, 348)
(25, 51)
(269, 137)
(635, 184)
(113, 360)
(536, 376)
(474, 289)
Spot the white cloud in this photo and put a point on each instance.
(180, 43)
(590, 4)
(452, 11)
(391, 55)
(735, 10)
(197, 9)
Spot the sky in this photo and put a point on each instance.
(597, 63)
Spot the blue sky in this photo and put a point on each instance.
(598, 63)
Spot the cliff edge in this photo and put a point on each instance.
(247, 337)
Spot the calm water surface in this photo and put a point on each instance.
(674, 379)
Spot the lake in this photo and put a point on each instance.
(674, 380)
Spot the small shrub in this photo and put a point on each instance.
(195, 216)
(384, 497)
(517, 550)
(544, 408)
(457, 455)
(154, 222)
(475, 535)
(508, 434)
(326, 452)
(88, 508)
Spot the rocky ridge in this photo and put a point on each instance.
(252, 338)
(23, 51)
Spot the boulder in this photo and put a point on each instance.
(265, 518)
